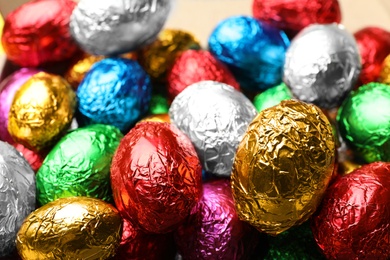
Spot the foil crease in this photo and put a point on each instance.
(283, 166)
(215, 117)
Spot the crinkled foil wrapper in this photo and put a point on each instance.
(353, 221)
(17, 195)
(158, 57)
(163, 118)
(79, 165)
(156, 177)
(272, 97)
(42, 111)
(116, 92)
(37, 33)
(35, 159)
(158, 104)
(364, 122)
(215, 117)
(283, 166)
(322, 65)
(385, 71)
(192, 66)
(117, 26)
(77, 71)
(70, 228)
(213, 230)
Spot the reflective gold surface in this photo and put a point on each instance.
(163, 118)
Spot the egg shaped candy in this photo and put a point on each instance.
(272, 97)
(70, 228)
(17, 195)
(215, 117)
(42, 111)
(283, 166)
(155, 177)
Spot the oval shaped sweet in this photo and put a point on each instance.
(283, 166)
(215, 117)
(42, 111)
(116, 92)
(272, 97)
(79, 165)
(353, 220)
(70, 228)
(155, 177)
(17, 195)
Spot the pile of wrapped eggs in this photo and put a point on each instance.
(122, 140)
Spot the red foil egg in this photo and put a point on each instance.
(35, 159)
(137, 245)
(192, 66)
(155, 177)
(374, 46)
(353, 221)
(37, 33)
(292, 16)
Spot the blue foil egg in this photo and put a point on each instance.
(254, 52)
(115, 92)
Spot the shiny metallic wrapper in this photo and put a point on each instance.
(113, 27)
(283, 166)
(353, 221)
(272, 97)
(385, 71)
(364, 122)
(77, 71)
(155, 177)
(213, 230)
(215, 117)
(17, 195)
(79, 165)
(70, 228)
(322, 65)
(163, 118)
(42, 111)
(34, 158)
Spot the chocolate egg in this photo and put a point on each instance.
(283, 166)
(77, 71)
(272, 97)
(70, 228)
(17, 195)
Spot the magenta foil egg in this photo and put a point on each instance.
(8, 88)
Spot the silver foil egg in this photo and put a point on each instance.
(322, 65)
(17, 195)
(104, 27)
(214, 116)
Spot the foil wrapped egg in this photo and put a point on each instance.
(117, 26)
(253, 51)
(116, 92)
(272, 97)
(79, 165)
(384, 76)
(17, 195)
(158, 104)
(42, 111)
(70, 228)
(364, 122)
(34, 158)
(283, 166)
(76, 73)
(322, 65)
(155, 177)
(163, 118)
(215, 117)
(37, 33)
(353, 220)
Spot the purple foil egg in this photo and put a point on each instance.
(213, 230)
(8, 88)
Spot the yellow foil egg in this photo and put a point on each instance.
(162, 118)
(77, 71)
(42, 111)
(283, 166)
(70, 228)
(385, 72)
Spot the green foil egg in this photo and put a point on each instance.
(79, 165)
(364, 122)
(272, 97)
(158, 104)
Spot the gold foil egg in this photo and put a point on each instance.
(163, 118)
(385, 72)
(42, 111)
(70, 228)
(283, 166)
(77, 71)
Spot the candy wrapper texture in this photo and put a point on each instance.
(213, 230)
(17, 195)
(35, 159)
(70, 228)
(158, 104)
(272, 97)
(322, 65)
(283, 166)
(77, 71)
(215, 117)
(353, 220)
(117, 26)
(155, 177)
(79, 165)
(384, 76)
(253, 51)
(37, 33)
